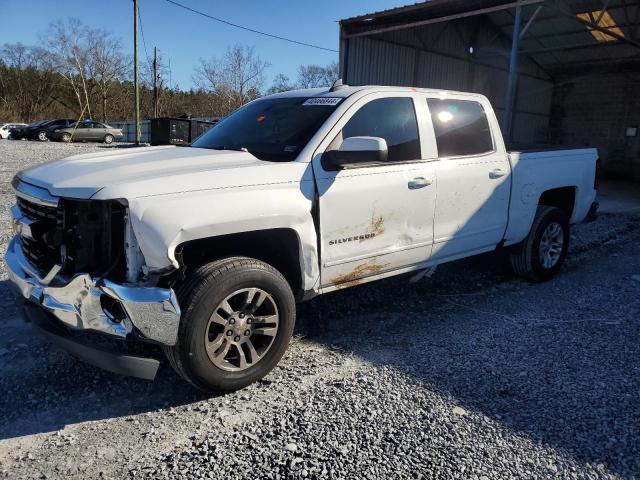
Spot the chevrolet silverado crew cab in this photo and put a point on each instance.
(204, 251)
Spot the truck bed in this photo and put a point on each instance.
(539, 147)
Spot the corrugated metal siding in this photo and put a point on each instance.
(534, 96)
(369, 63)
(129, 131)
(436, 71)
(530, 128)
(399, 58)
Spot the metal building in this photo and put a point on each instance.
(563, 72)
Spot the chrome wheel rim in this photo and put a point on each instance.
(242, 329)
(551, 245)
(42, 136)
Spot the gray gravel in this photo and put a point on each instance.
(469, 374)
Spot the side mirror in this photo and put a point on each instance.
(356, 151)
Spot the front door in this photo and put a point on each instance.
(377, 218)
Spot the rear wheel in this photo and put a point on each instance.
(238, 318)
(42, 136)
(108, 138)
(540, 256)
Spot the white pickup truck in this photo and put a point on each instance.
(205, 250)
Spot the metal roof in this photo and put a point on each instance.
(559, 35)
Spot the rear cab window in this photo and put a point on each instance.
(461, 127)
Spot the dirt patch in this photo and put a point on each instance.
(377, 225)
(357, 274)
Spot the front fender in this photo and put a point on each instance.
(161, 223)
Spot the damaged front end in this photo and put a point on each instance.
(78, 261)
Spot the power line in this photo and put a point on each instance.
(144, 43)
(226, 22)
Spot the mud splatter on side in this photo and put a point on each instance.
(355, 276)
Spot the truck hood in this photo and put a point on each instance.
(148, 171)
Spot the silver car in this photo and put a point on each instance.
(87, 131)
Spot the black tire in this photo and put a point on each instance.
(42, 136)
(525, 257)
(199, 296)
(108, 139)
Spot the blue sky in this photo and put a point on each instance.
(184, 37)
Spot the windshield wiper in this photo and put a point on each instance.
(224, 147)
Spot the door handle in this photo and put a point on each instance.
(419, 182)
(497, 173)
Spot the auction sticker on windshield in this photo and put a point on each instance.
(323, 101)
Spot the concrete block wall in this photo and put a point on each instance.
(596, 110)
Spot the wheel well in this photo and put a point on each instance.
(278, 247)
(564, 198)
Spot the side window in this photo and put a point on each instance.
(393, 119)
(461, 127)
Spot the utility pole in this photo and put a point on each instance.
(155, 82)
(135, 70)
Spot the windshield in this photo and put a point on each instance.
(274, 129)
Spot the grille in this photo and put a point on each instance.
(41, 251)
(36, 211)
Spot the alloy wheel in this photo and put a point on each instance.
(551, 245)
(242, 329)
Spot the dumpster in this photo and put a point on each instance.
(177, 131)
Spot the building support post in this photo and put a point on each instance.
(344, 56)
(509, 102)
(135, 70)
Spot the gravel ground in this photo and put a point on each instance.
(469, 374)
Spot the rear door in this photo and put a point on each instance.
(473, 177)
(100, 130)
(375, 219)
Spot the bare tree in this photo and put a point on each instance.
(26, 80)
(236, 78)
(281, 83)
(314, 76)
(106, 64)
(67, 42)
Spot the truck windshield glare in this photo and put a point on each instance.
(274, 129)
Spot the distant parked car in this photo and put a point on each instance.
(87, 131)
(6, 129)
(26, 131)
(40, 130)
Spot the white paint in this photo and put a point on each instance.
(6, 128)
(372, 223)
(363, 144)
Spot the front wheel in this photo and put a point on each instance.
(540, 256)
(238, 318)
(108, 139)
(66, 137)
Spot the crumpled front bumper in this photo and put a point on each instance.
(83, 302)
